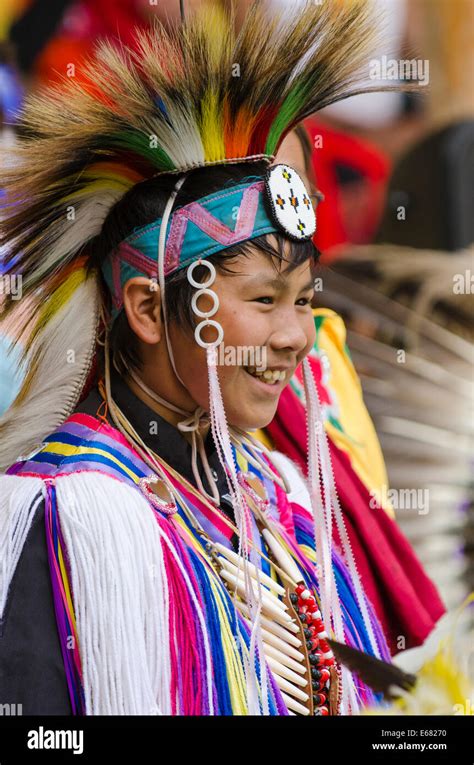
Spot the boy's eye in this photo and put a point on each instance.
(267, 300)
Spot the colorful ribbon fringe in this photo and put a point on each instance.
(222, 637)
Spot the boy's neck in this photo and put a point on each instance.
(168, 414)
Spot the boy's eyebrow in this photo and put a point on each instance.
(266, 281)
(308, 286)
(276, 283)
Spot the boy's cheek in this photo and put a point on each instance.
(310, 334)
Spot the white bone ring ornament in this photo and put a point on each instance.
(214, 297)
(203, 289)
(208, 323)
(192, 280)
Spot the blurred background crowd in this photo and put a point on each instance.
(395, 229)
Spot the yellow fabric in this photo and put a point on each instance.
(69, 449)
(10, 10)
(358, 439)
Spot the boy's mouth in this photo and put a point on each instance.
(269, 376)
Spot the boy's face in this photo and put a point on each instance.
(268, 324)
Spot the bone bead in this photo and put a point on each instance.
(283, 559)
(284, 659)
(268, 607)
(288, 674)
(264, 578)
(282, 645)
(240, 574)
(294, 706)
(276, 629)
(289, 688)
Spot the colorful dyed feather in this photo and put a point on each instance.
(194, 95)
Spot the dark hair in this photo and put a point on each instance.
(146, 202)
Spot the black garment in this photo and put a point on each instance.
(165, 439)
(31, 664)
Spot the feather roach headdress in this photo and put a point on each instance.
(195, 95)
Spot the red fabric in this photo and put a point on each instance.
(84, 23)
(334, 219)
(405, 599)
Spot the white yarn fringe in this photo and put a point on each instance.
(118, 585)
(120, 595)
(19, 501)
(58, 381)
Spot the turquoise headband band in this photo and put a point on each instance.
(197, 230)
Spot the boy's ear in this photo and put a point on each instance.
(142, 303)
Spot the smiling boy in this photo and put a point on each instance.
(159, 548)
(263, 303)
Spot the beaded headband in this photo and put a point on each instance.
(277, 202)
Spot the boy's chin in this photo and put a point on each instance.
(252, 422)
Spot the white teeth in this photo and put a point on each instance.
(271, 377)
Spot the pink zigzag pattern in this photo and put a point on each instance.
(198, 215)
(212, 226)
(127, 254)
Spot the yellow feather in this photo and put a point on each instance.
(211, 127)
(442, 687)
